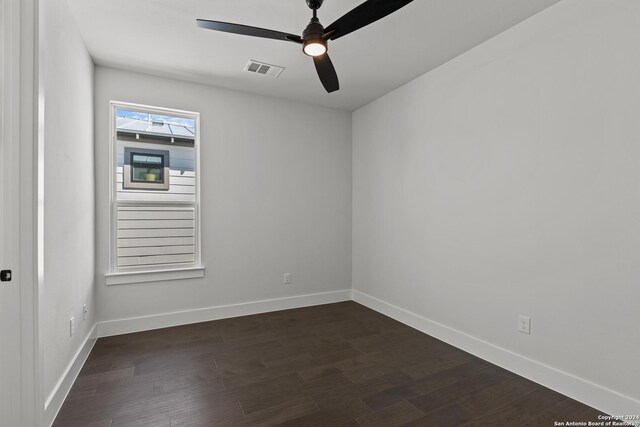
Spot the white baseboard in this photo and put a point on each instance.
(165, 320)
(597, 396)
(61, 390)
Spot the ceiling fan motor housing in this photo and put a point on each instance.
(314, 30)
(313, 43)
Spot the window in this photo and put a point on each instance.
(155, 197)
(146, 169)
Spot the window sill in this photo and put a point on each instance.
(123, 278)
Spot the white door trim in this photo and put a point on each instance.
(10, 353)
(20, 20)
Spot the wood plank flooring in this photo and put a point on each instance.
(332, 365)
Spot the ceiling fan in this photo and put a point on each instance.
(315, 37)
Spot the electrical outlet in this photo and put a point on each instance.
(287, 278)
(71, 327)
(84, 312)
(524, 324)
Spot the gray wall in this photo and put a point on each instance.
(276, 197)
(69, 228)
(507, 182)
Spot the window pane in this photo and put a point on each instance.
(155, 174)
(147, 167)
(140, 158)
(147, 174)
(134, 121)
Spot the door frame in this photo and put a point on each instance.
(21, 23)
(9, 233)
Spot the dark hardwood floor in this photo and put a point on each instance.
(332, 365)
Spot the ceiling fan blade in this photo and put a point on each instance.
(368, 12)
(326, 72)
(246, 30)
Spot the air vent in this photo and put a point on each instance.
(268, 70)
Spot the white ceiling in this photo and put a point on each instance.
(160, 37)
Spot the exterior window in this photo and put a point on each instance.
(155, 192)
(146, 169)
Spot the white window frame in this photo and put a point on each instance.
(118, 276)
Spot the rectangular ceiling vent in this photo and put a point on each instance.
(268, 70)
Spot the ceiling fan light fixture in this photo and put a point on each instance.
(315, 47)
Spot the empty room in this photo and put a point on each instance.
(319, 213)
